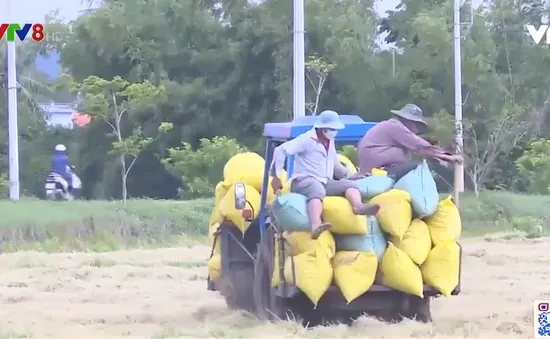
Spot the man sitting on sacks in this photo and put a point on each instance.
(389, 143)
(316, 167)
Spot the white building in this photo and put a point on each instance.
(58, 114)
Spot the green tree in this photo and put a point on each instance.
(111, 101)
(534, 165)
(317, 72)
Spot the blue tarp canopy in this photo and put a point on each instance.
(283, 131)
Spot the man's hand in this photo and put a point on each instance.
(356, 176)
(457, 158)
(450, 158)
(276, 184)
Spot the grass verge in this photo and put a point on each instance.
(103, 226)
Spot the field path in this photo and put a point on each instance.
(162, 294)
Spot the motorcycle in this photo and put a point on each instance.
(57, 188)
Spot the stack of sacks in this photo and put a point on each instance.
(307, 263)
(441, 268)
(411, 214)
(357, 258)
(247, 168)
(309, 259)
(359, 240)
(359, 249)
(422, 232)
(415, 194)
(214, 263)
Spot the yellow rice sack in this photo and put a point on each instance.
(395, 213)
(445, 224)
(228, 211)
(354, 272)
(378, 171)
(416, 242)
(215, 217)
(338, 212)
(313, 273)
(214, 267)
(219, 193)
(300, 242)
(348, 163)
(245, 167)
(441, 269)
(399, 272)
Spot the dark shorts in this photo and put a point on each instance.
(314, 189)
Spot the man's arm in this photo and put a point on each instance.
(407, 139)
(340, 171)
(291, 147)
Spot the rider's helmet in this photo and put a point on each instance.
(60, 148)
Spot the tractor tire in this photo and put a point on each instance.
(236, 290)
(420, 309)
(267, 305)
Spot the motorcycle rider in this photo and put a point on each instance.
(61, 166)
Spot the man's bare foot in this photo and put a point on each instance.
(317, 231)
(366, 209)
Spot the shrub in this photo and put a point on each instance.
(534, 166)
(201, 169)
(350, 152)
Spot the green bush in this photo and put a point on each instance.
(534, 166)
(201, 169)
(349, 152)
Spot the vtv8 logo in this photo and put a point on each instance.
(10, 31)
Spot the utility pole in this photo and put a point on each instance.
(459, 168)
(298, 53)
(13, 135)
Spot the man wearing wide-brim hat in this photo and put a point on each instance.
(318, 172)
(390, 142)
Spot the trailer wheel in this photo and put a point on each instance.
(236, 290)
(237, 269)
(267, 305)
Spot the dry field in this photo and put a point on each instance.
(162, 294)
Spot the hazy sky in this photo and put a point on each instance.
(35, 10)
(24, 11)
